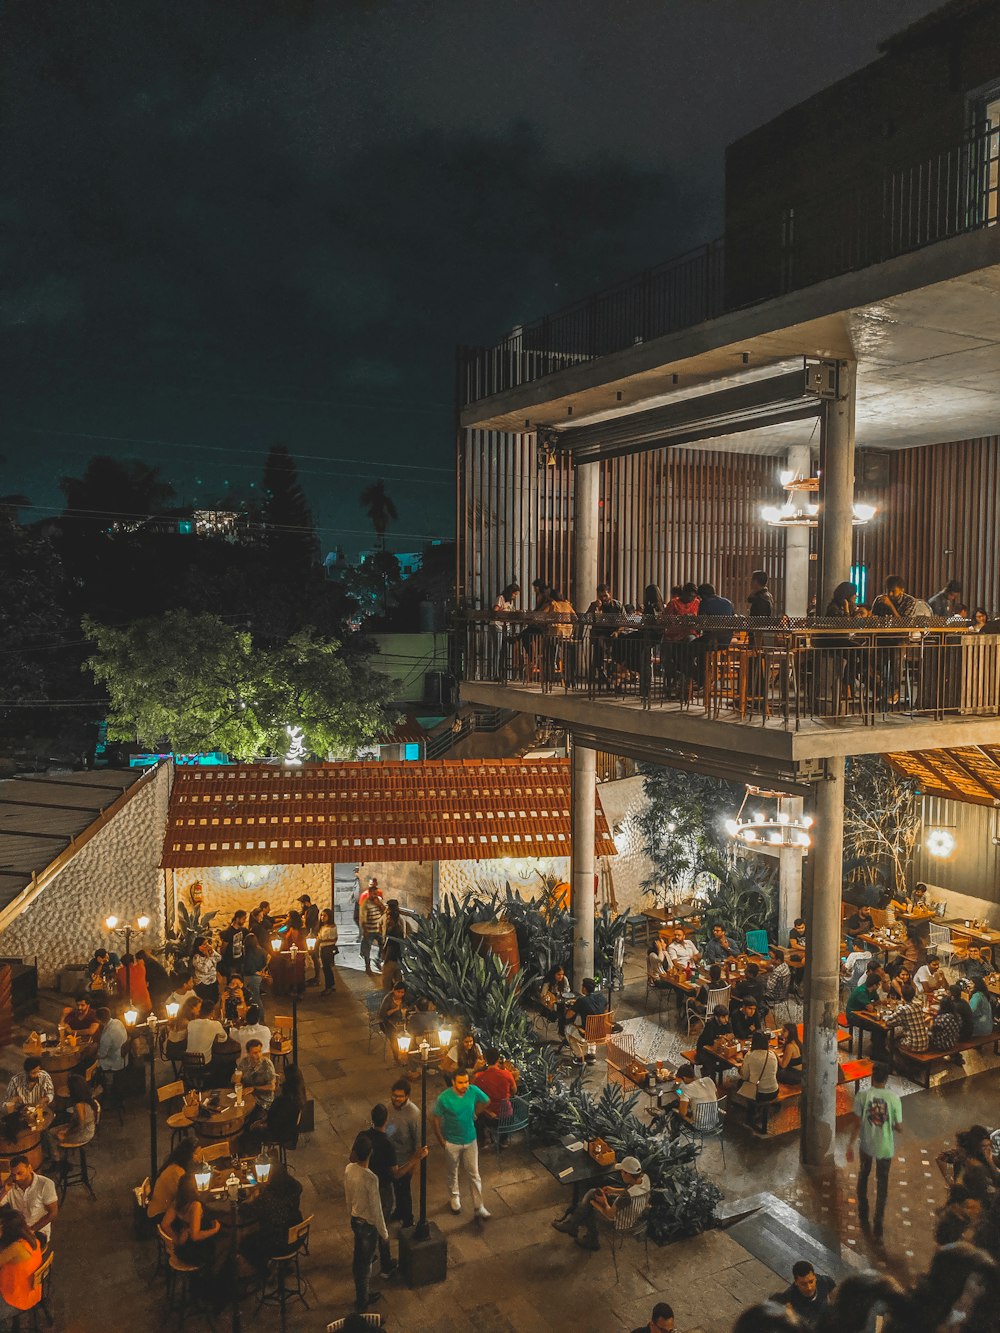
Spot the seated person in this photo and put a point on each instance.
(276, 1210)
(657, 965)
(930, 977)
(499, 1084)
(81, 1018)
(809, 1293)
(901, 901)
(981, 1004)
(83, 1113)
(465, 1057)
(797, 935)
(182, 991)
(720, 948)
(693, 1088)
(603, 1205)
(32, 1087)
(855, 966)
(778, 980)
(181, 1159)
(759, 1072)
(909, 1023)
(34, 1196)
(963, 1011)
(184, 1222)
(234, 1005)
(256, 1072)
(554, 995)
(714, 982)
(682, 952)
(252, 1027)
(392, 1011)
(790, 1057)
(20, 1259)
(100, 974)
(902, 978)
(946, 1030)
(203, 1030)
(859, 922)
(424, 1022)
(970, 1163)
(979, 964)
(864, 995)
(717, 1027)
(745, 1018)
(590, 1002)
(751, 983)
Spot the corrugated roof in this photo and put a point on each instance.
(970, 773)
(434, 810)
(40, 815)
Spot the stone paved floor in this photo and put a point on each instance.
(511, 1272)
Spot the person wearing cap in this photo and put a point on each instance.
(604, 1205)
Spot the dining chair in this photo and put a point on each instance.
(215, 1152)
(39, 1283)
(631, 1220)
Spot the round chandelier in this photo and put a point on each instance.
(789, 515)
(769, 830)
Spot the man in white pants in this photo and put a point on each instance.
(454, 1115)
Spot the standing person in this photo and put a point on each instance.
(395, 923)
(131, 977)
(392, 970)
(100, 974)
(205, 970)
(878, 1115)
(361, 1195)
(234, 946)
(499, 1084)
(111, 1047)
(310, 914)
(158, 980)
(454, 1116)
(254, 971)
(382, 1164)
(372, 924)
(759, 601)
(326, 943)
(499, 631)
(403, 1130)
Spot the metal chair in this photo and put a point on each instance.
(692, 1013)
(660, 992)
(512, 1124)
(616, 980)
(373, 1003)
(631, 1220)
(779, 998)
(216, 1152)
(719, 996)
(275, 1289)
(707, 1122)
(941, 943)
(371, 1319)
(183, 1296)
(194, 1068)
(756, 942)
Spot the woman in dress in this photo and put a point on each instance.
(20, 1259)
(790, 1059)
(326, 944)
(184, 1223)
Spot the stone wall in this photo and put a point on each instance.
(458, 877)
(117, 872)
(623, 802)
(229, 888)
(411, 882)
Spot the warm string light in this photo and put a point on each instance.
(789, 515)
(761, 830)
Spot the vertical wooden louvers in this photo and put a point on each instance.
(666, 516)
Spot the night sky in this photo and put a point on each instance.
(225, 225)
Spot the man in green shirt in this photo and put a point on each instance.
(454, 1115)
(860, 998)
(878, 1114)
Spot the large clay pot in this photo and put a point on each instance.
(497, 937)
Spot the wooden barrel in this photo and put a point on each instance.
(500, 938)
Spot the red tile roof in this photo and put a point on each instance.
(434, 810)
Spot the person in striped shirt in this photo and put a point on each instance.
(32, 1087)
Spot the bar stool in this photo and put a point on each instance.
(183, 1297)
(39, 1283)
(80, 1174)
(275, 1289)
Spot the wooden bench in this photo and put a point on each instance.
(923, 1062)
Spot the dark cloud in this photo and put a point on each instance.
(229, 223)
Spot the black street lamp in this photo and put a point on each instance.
(126, 931)
(297, 982)
(149, 1029)
(421, 1231)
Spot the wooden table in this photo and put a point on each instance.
(882, 942)
(572, 1168)
(223, 1123)
(216, 1199)
(60, 1061)
(28, 1142)
(978, 935)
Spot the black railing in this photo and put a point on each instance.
(780, 673)
(947, 194)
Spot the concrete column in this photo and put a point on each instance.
(822, 969)
(586, 498)
(789, 871)
(798, 461)
(836, 496)
(582, 860)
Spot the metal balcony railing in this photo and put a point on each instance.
(945, 194)
(779, 673)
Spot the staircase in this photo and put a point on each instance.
(773, 1232)
(478, 720)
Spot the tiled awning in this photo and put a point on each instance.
(970, 773)
(435, 810)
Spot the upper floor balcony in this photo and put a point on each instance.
(946, 196)
(783, 694)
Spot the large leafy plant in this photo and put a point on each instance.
(683, 826)
(544, 927)
(739, 895)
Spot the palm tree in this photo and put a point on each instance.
(380, 508)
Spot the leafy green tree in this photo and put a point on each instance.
(192, 682)
(683, 827)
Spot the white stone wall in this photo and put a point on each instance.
(117, 872)
(623, 802)
(457, 877)
(229, 888)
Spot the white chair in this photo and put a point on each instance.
(371, 1319)
(941, 943)
(707, 1121)
(720, 996)
(631, 1219)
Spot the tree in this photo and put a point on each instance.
(683, 827)
(380, 509)
(191, 682)
(114, 491)
(881, 824)
(287, 518)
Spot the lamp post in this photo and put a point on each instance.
(403, 1041)
(149, 1028)
(296, 987)
(126, 930)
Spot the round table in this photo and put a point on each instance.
(28, 1142)
(223, 1123)
(60, 1061)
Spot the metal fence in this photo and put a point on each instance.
(778, 673)
(946, 194)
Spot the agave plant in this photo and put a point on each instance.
(739, 896)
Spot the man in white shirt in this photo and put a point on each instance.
(111, 1048)
(696, 1089)
(33, 1196)
(605, 1205)
(184, 988)
(252, 1030)
(202, 1034)
(367, 1219)
(682, 951)
(930, 977)
(205, 970)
